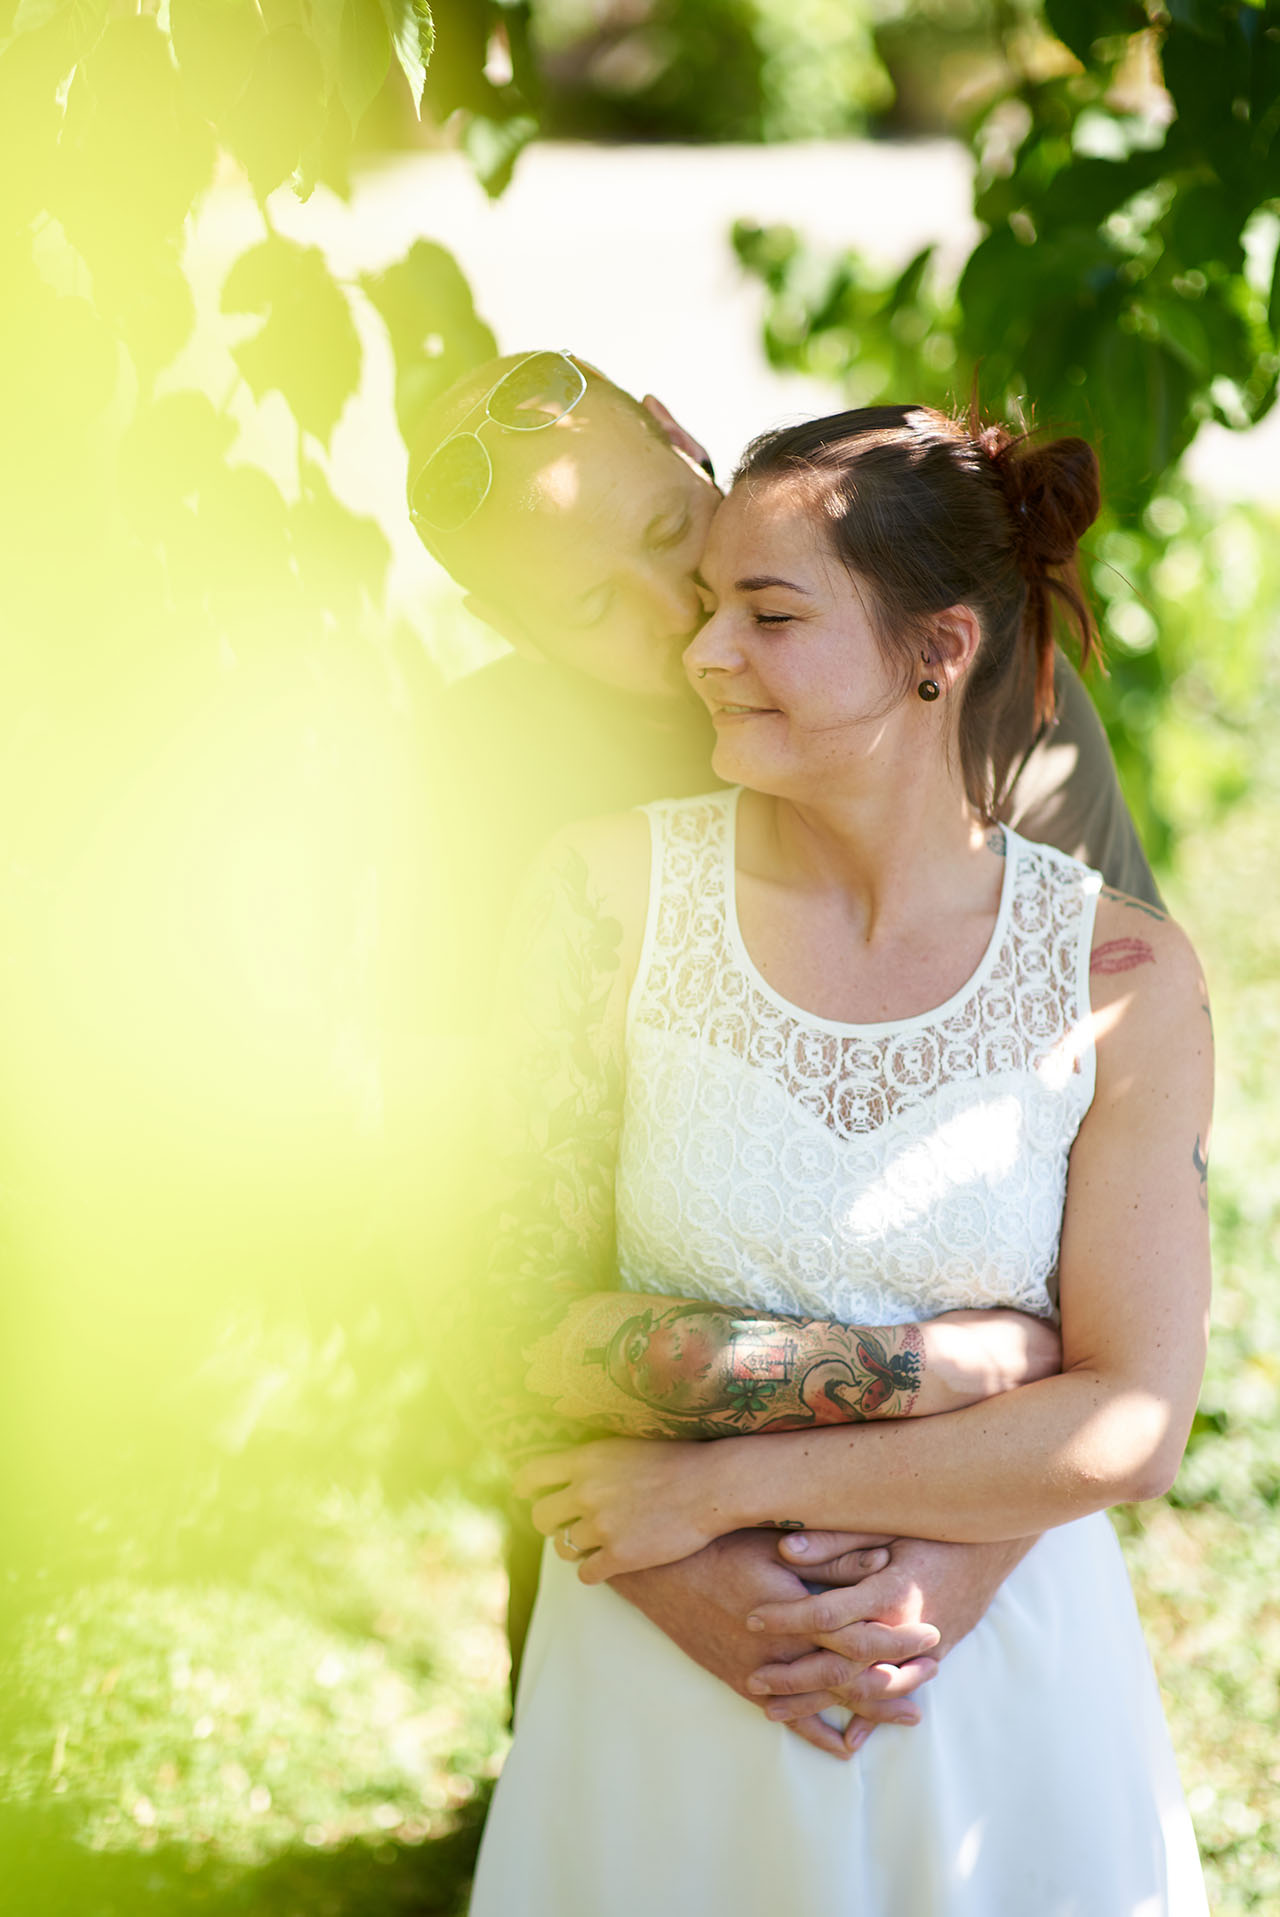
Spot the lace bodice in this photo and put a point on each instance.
(875, 1174)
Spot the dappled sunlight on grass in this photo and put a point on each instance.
(1206, 1565)
(352, 1695)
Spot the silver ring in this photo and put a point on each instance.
(569, 1544)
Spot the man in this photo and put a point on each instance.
(575, 519)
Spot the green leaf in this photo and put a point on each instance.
(436, 336)
(906, 289)
(82, 18)
(134, 156)
(342, 556)
(215, 42)
(1143, 418)
(494, 146)
(1204, 228)
(308, 348)
(58, 361)
(147, 296)
(517, 19)
(325, 18)
(1179, 324)
(237, 553)
(364, 56)
(1273, 304)
(413, 35)
(1085, 191)
(766, 251)
(169, 453)
(31, 70)
(1203, 17)
(281, 112)
(1079, 24)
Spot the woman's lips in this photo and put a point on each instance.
(743, 712)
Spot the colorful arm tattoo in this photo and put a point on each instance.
(682, 1368)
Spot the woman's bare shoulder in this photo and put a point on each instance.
(1146, 984)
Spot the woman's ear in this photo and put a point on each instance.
(953, 645)
(683, 442)
(505, 626)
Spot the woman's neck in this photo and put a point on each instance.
(890, 855)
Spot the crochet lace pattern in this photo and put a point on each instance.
(875, 1174)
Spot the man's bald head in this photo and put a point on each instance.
(584, 549)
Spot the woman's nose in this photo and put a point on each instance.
(711, 648)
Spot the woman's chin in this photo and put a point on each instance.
(734, 762)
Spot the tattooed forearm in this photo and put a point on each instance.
(1120, 955)
(1200, 1160)
(682, 1368)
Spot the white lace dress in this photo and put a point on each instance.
(875, 1174)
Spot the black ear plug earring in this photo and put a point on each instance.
(928, 688)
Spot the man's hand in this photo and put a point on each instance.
(947, 1585)
(702, 1604)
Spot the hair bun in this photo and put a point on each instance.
(1053, 493)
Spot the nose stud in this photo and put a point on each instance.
(703, 671)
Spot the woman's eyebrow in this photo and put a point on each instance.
(759, 580)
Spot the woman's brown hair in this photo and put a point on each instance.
(932, 512)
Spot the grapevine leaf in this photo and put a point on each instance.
(307, 349)
(494, 146)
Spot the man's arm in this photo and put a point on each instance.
(1066, 793)
(658, 1367)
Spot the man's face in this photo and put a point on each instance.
(589, 542)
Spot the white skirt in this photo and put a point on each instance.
(1040, 1783)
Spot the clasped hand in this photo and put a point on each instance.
(631, 1510)
(623, 1503)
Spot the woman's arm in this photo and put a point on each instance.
(545, 1348)
(1134, 1281)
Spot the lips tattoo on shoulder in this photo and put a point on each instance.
(1121, 955)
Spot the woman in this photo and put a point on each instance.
(848, 1054)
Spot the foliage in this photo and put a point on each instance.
(1125, 288)
(210, 767)
(711, 70)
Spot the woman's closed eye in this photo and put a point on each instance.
(773, 618)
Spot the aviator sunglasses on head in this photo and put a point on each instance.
(456, 480)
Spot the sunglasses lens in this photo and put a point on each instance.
(537, 393)
(452, 485)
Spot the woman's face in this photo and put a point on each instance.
(788, 663)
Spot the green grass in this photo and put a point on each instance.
(1206, 1564)
(318, 1738)
(299, 1713)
